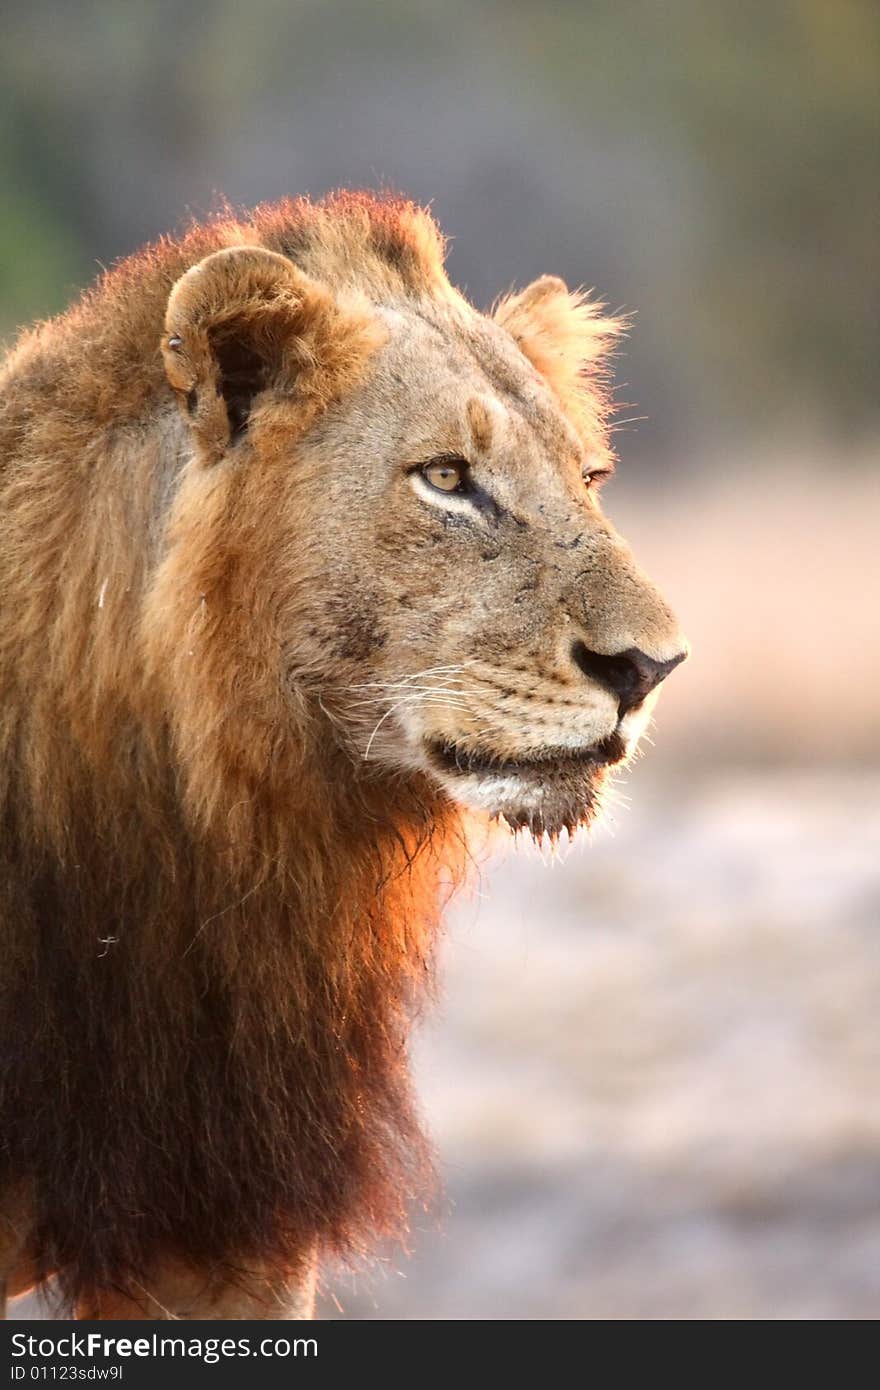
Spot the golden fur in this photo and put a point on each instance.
(235, 623)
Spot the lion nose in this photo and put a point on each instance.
(630, 675)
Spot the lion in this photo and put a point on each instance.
(303, 569)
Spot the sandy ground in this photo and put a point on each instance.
(652, 1079)
(653, 1084)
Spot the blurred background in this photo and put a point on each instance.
(652, 1079)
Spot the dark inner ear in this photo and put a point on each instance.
(242, 374)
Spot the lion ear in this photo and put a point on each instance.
(566, 335)
(246, 321)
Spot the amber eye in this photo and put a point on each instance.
(447, 475)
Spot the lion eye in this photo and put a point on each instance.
(447, 475)
(596, 476)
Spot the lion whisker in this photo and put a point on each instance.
(417, 698)
(413, 676)
(418, 694)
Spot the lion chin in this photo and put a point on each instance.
(544, 793)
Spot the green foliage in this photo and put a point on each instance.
(39, 267)
(736, 144)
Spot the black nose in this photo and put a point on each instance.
(630, 675)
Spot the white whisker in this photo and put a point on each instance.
(409, 679)
(426, 699)
(417, 694)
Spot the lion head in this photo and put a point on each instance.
(442, 577)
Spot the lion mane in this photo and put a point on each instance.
(213, 939)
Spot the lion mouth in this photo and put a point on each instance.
(548, 763)
(547, 791)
